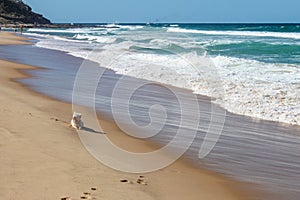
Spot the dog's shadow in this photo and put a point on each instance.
(91, 130)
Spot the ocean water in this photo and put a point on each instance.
(197, 57)
(257, 66)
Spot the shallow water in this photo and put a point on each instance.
(259, 152)
(256, 65)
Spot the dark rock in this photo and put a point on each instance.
(17, 12)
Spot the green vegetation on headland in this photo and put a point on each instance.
(14, 12)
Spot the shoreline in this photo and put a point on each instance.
(48, 116)
(257, 110)
(12, 39)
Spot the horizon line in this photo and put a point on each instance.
(292, 23)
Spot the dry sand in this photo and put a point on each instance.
(43, 158)
(6, 39)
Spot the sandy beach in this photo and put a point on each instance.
(43, 158)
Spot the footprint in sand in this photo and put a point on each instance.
(141, 180)
(62, 121)
(65, 198)
(55, 119)
(85, 195)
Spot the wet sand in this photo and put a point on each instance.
(43, 158)
(260, 152)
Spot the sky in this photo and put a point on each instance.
(201, 11)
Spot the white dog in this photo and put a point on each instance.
(76, 121)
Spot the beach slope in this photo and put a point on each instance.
(42, 156)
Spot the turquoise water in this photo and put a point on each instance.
(268, 43)
(263, 85)
(257, 65)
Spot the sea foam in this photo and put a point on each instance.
(250, 87)
(237, 33)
